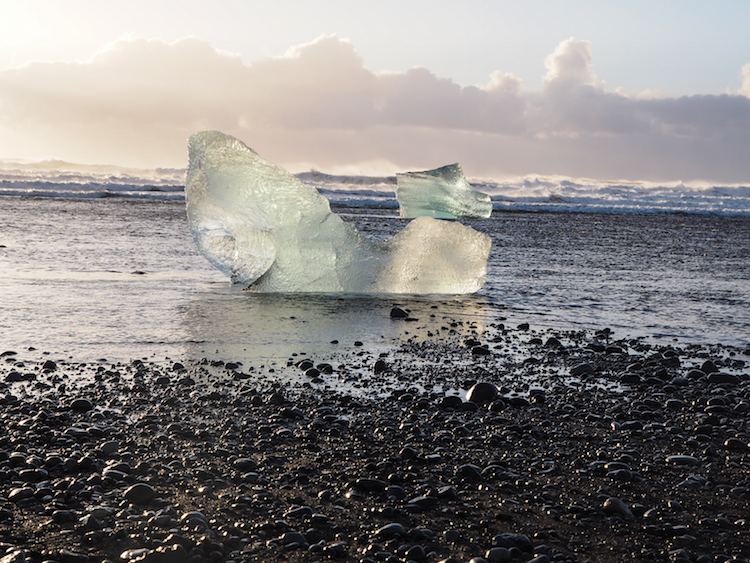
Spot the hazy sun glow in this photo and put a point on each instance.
(21, 25)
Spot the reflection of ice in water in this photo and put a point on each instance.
(230, 324)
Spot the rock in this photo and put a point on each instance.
(335, 550)
(193, 519)
(683, 460)
(293, 538)
(140, 493)
(390, 531)
(81, 405)
(398, 313)
(110, 447)
(448, 492)
(581, 369)
(369, 485)
(88, 523)
(275, 399)
(451, 402)
(723, 378)
(509, 541)
(735, 444)
(133, 554)
(630, 378)
(16, 556)
(421, 504)
(481, 393)
(245, 464)
(498, 555)
(64, 517)
(312, 373)
(298, 512)
(537, 396)
(18, 494)
(497, 405)
(415, 553)
(469, 472)
(616, 506)
(305, 365)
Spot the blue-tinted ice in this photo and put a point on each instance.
(267, 230)
(443, 193)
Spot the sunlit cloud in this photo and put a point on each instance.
(570, 65)
(137, 101)
(745, 90)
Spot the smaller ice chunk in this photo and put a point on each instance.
(443, 193)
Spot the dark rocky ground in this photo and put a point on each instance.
(592, 449)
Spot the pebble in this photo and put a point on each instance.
(614, 505)
(239, 464)
(582, 369)
(722, 378)
(469, 472)
(498, 555)
(245, 464)
(481, 393)
(140, 493)
(390, 531)
(81, 405)
(683, 460)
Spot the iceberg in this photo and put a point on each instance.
(443, 193)
(267, 230)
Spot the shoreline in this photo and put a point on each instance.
(593, 449)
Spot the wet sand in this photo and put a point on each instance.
(576, 446)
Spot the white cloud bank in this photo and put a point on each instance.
(137, 102)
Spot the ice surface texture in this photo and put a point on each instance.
(443, 193)
(266, 229)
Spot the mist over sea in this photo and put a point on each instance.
(98, 262)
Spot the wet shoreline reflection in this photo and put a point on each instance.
(228, 323)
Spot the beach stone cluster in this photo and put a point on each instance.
(495, 445)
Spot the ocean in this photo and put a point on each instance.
(98, 263)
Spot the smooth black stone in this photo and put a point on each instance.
(140, 493)
(398, 313)
(81, 405)
(482, 392)
(390, 531)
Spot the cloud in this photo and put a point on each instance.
(137, 101)
(745, 90)
(570, 65)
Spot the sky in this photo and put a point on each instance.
(642, 90)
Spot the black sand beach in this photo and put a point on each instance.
(575, 447)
